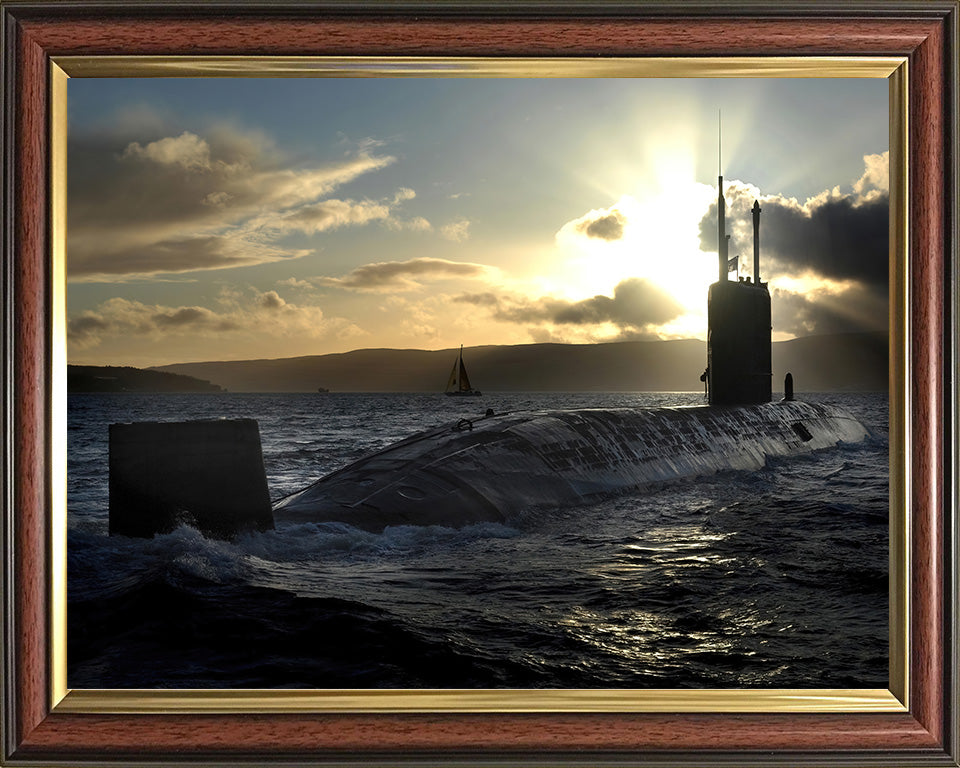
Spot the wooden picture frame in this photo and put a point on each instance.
(38, 731)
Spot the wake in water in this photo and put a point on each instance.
(770, 578)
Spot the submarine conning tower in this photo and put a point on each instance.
(738, 326)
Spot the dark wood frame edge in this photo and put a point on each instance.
(486, 9)
(926, 32)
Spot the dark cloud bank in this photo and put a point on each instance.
(841, 238)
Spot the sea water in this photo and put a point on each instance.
(769, 578)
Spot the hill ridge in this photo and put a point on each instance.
(852, 361)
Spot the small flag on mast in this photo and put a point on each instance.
(732, 263)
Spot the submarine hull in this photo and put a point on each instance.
(485, 469)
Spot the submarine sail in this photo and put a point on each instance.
(738, 327)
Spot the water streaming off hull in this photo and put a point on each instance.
(486, 469)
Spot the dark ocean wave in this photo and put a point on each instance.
(773, 578)
(198, 634)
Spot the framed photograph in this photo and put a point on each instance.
(293, 220)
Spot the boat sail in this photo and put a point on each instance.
(459, 382)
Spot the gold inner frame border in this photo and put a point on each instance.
(218, 701)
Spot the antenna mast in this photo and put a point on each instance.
(720, 143)
(721, 209)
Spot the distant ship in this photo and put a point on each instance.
(322, 389)
(459, 383)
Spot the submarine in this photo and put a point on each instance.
(210, 474)
(486, 469)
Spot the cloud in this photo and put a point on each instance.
(120, 316)
(264, 313)
(404, 275)
(295, 282)
(333, 214)
(180, 254)
(183, 202)
(636, 309)
(876, 176)
(87, 325)
(610, 227)
(416, 224)
(187, 150)
(189, 317)
(271, 300)
(636, 303)
(835, 237)
(849, 308)
(217, 199)
(457, 231)
(838, 238)
(602, 224)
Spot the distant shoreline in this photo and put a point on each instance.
(92, 379)
(836, 363)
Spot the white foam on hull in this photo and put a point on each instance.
(506, 463)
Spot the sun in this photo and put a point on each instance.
(657, 240)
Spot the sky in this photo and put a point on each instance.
(229, 219)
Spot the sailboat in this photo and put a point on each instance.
(459, 383)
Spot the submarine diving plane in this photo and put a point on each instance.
(484, 469)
